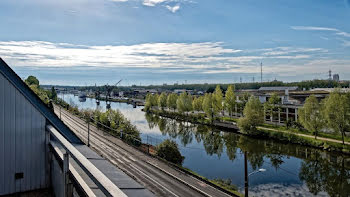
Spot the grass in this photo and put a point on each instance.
(220, 183)
(303, 131)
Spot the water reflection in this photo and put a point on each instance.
(319, 170)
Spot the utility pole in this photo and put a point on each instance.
(88, 132)
(245, 175)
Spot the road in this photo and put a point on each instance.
(154, 174)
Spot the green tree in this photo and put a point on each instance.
(197, 103)
(184, 102)
(271, 105)
(310, 115)
(209, 106)
(53, 94)
(253, 115)
(169, 151)
(230, 100)
(151, 101)
(171, 101)
(31, 80)
(336, 112)
(217, 96)
(162, 101)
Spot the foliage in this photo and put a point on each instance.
(184, 102)
(253, 115)
(272, 105)
(162, 101)
(169, 151)
(336, 112)
(151, 101)
(31, 80)
(53, 95)
(310, 115)
(197, 103)
(230, 100)
(217, 96)
(209, 88)
(171, 101)
(209, 106)
(33, 83)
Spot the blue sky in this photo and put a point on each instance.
(83, 42)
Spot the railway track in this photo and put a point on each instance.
(152, 173)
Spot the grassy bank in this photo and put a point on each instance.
(218, 183)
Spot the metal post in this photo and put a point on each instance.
(245, 175)
(279, 115)
(147, 145)
(236, 110)
(287, 113)
(68, 190)
(296, 114)
(88, 133)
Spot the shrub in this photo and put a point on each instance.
(169, 151)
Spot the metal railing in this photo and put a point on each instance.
(103, 183)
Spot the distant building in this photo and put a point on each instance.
(179, 91)
(279, 88)
(336, 77)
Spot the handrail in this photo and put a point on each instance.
(106, 185)
(74, 172)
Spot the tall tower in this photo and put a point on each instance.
(261, 71)
(330, 74)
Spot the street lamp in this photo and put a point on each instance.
(246, 175)
(257, 171)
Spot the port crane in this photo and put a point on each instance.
(108, 93)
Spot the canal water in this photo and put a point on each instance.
(290, 170)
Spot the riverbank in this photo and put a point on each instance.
(131, 101)
(265, 131)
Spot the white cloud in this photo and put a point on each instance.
(38, 53)
(153, 2)
(173, 9)
(119, 0)
(204, 57)
(289, 50)
(312, 28)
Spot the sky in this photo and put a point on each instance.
(87, 42)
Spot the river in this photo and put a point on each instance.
(291, 170)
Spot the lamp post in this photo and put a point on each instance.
(246, 175)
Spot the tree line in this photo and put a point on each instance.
(331, 113)
(211, 103)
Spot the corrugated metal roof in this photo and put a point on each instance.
(280, 88)
(17, 82)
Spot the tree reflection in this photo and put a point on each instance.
(323, 174)
(320, 170)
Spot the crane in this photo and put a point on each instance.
(108, 93)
